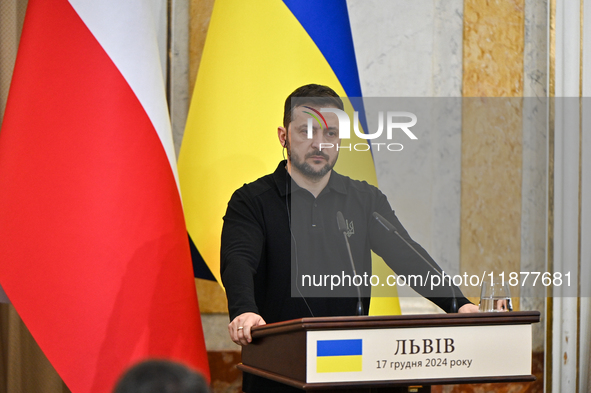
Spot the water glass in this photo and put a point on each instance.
(495, 297)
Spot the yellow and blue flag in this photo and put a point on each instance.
(333, 356)
(256, 53)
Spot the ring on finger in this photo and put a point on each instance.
(240, 327)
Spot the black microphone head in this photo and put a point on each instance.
(341, 222)
(385, 223)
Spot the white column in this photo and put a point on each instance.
(585, 329)
(534, 188)
(566, 195)
(178, 81)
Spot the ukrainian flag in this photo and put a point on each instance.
(256, 53)
(334, 356)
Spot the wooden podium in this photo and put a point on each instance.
(348, 354)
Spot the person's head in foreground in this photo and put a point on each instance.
(161, 376)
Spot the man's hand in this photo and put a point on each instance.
(239, 328)
(467, 308)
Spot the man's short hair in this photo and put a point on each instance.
(316, 95)
(161, 376)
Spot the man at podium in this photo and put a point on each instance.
(288, 237)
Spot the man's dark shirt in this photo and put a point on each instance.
(260, 255)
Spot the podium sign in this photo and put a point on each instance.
(360, 352)
(418, 353)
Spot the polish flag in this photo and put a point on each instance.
(94, 252)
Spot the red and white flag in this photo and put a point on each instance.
(94, 252)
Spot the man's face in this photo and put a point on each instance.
(308, 156)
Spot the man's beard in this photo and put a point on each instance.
(305, 169)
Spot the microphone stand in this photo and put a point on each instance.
(391, 228)
(343, 228)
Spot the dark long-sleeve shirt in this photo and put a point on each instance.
(259, 251)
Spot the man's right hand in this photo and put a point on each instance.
(240, 327)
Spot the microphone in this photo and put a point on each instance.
(385, 223)
(341, 222)
(343, 228)
(391, 228)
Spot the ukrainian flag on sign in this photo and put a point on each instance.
(337, 356)
(256, 53)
